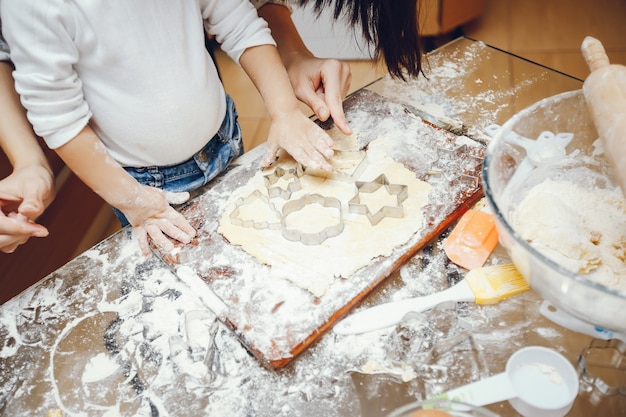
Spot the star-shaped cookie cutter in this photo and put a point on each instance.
(400, 191)
(244, 201)
(291, 174)
(315, 238)
(458, 165)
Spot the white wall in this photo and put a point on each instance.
(329, 38)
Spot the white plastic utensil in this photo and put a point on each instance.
(547, 147)
(570, 322)
(390, 314)
(537, 382)
(484, 285)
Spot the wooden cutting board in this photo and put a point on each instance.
(277, 320)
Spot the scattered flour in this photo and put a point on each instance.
(99, 367)
(113, 334)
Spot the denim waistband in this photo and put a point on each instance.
(204, 165)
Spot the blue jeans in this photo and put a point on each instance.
(201, 168)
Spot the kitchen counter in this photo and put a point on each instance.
(113, 333)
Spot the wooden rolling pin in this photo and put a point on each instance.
(605, 94)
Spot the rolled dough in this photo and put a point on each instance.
(314, 267)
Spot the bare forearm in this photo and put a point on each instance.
(265, 69)
(289, 43)
(88, 158)
(319, 83)
(16, 135)
(290, 130)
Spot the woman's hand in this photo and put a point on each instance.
(24, 195)
(15, 228)
(322, 84)
(319, 83)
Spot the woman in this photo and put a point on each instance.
(30, 188)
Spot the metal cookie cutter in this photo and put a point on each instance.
(463, 157)
(294, 185)
(339, 174)
(255, 195)
(316, 238)
(397, 211)
(602, 367)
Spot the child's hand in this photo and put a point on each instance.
(308, 143)
(150, 214)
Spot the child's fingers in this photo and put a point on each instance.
(271, 155)
(142, 239)
(178, 228)
(156, 234)
(9, 248)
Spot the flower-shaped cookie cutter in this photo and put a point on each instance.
(315, 238)
(251, 198)
(602, 366)
(398, 190)
(292, 175)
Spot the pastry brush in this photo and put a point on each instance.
(484, 285)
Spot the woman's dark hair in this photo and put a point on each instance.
(391, 26)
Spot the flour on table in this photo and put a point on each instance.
(99, 367)
(314, 267)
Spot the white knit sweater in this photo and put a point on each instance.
(136, 70)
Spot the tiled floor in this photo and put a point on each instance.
(550, 32)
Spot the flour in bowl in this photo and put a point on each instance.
(579, 227)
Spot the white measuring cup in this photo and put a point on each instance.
(537, 382)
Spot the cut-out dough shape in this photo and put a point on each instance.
(292, 175)
(397, 211)
(316, 238)
(356, 159)
(251, 198)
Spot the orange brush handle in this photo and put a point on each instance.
(472, 240)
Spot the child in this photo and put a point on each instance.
(115, 83)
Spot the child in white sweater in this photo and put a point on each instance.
(114, 84)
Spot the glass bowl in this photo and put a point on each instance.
(441, 408)
(600, 304)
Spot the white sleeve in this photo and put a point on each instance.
(44, 57)
(260, 3)
(236, 26)
(4, 48)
